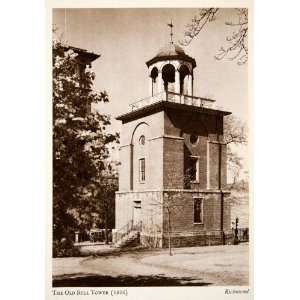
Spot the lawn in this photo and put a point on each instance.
(194, 266)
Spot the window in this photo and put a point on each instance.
(142, 140)
(193, 139)
(142, 169)
(194, 168)
(198, 210)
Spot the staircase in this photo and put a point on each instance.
(130, 240)
(128, 235)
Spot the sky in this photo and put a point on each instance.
(127, 38)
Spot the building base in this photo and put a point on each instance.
(186, 240)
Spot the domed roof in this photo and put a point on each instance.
(171, 51)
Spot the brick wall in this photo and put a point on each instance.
(198, 150)
(181, 204)
(224, 166)
(213, 165)
(209, 129)
(154, 215)
(166, 150)
(195, 240)
(173, 155)
(214, 157)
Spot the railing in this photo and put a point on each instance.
(148, 101)
(242, 234)
(137, 226)
(123, 231)
(174, 98)
(126, 229)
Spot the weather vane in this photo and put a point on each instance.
(171, 33)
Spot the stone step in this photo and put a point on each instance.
(127, 240)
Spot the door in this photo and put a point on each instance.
(137, 217)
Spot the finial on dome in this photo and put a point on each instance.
(171, 33)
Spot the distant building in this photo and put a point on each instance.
(84, 59)
(173, 159)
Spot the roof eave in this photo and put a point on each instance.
(90, 56)
(172, 57)
(158, 106)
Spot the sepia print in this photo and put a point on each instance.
(150, 140)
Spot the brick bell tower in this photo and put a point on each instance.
(173, 161)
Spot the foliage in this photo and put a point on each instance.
(104, 197)
(64, 248)
(80, 141)
(236, 44)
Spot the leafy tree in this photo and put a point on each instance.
(236, 47)
(80, 141)
(104, 197)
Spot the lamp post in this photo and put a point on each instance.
(236, 238)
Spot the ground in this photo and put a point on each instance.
(215, 265)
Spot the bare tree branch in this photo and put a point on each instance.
(204, 16)
(235, 131)
(236, 44)
(237, 48)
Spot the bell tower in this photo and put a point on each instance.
(173, 160)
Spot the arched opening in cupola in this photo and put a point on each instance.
(168, 76)
(185, 76)
(154, 75)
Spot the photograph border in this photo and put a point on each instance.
(210, 292)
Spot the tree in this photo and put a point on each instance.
(104, 195)
(236, 44)
(80, 141)
(235, 133)
(169, 205)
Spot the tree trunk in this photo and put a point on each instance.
(106, 229)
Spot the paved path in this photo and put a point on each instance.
(216, 265)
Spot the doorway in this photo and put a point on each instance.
(137, 215)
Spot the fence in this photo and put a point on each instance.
(242, 234)
(93, 236)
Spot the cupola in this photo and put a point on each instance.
(171, 70)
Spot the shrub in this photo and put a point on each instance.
(64, 248)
